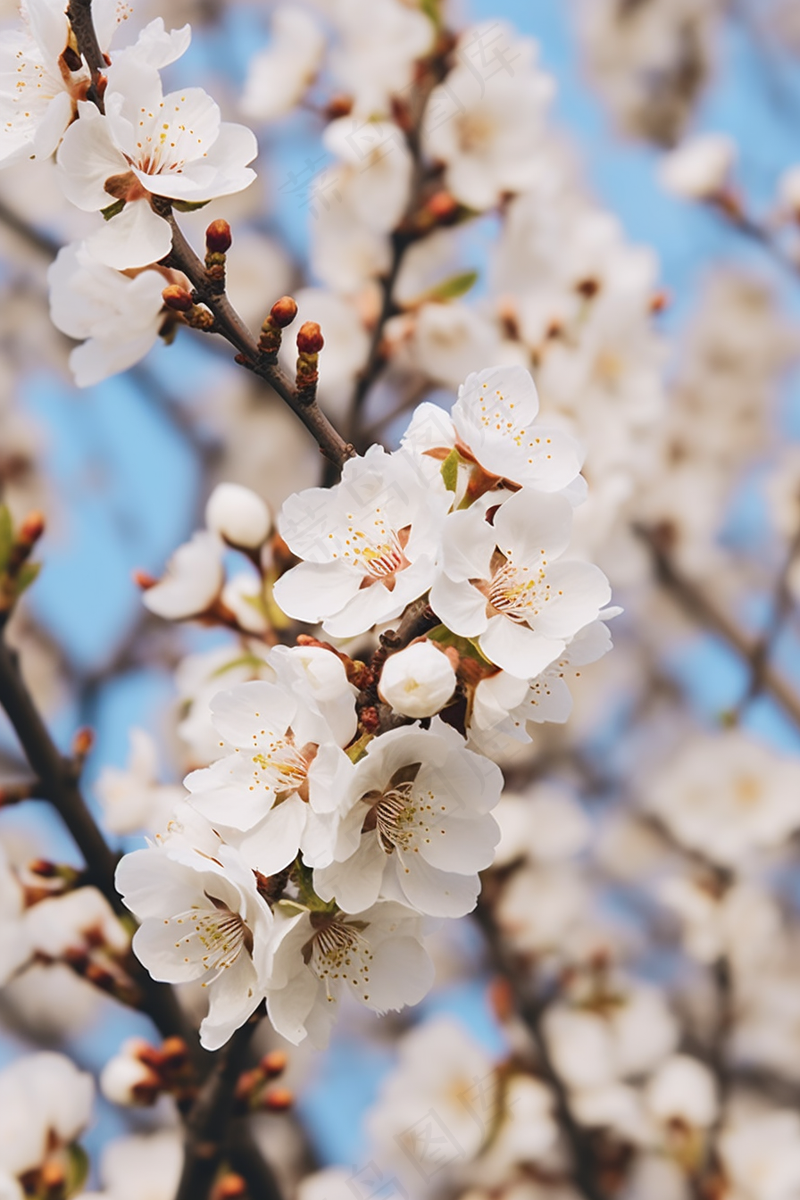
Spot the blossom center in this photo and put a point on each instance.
(379, 553)
(282, 767)
(399, 815)
(339, 951)
(516, 592)
(215, 937)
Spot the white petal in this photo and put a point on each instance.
(136, 237)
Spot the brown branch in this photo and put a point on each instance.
(531, 1009)
(781, 608)
(230, 325)
(697, 604)
(79, 14)
(208, 1123)
(59, 784)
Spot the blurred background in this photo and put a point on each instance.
(689, 408)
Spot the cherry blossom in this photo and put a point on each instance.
(201, 918)
(147, 144)
(192, 581)
(494, 424)
(375, 956)
(281, 782)
(499, 582)
(418, 681)
(369, 544)
(416, 819)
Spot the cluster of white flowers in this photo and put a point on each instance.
(311, 850)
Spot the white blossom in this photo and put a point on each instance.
(500, 584)
(369, 544)
(279, 75)
(493, 423)
(485, 123)
(416, 818)
(239, 515)
(418, 681)
(728, 796)
(146, 144)
(281, 780)
(375, 956)
(201, 918)
(132, 797)
(699, 168)
(192, 581)
(118, 317)
(46, 1102)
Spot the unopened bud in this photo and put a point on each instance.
(31, 528)
(370, 719)
(274, 1064)
(659, 302)
(442, 205)
(238, 515)
(277, 1100)
(230, 1187)
(219, 237)
(52, 1180)
(43, 867)
(174, 1052)
(82, 743)
(127, 1081)
(144, 580)
(284, 311)
(177, 298)
(339, 106)
(588, 288)
(418, 681)
(246, 1086)
(309, 338)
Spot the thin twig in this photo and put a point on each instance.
(57, 777)
(230, 325)
(208, 1123)
(781, 608)
(694, 600)
(531, 1009)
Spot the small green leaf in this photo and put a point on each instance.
(6, 535)
(112, 210)
(26, 575)
(449, 289)
(450, 470)
(189, 205)
(77, 1169)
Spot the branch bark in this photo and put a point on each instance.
(208, 1123)
(697, 604)
(230, 325)
(531, 1009)
(59, 785)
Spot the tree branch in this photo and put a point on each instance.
(208, 1122)
(531, 1009)
(230, 325)
(58, 780)
(696, 603)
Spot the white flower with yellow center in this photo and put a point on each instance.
(280, 783)
(417, 825)
(149, 144)
(493, 424)
(201, 918)
(502, 583)
(44, 78)
(376, 956)
(369, 544)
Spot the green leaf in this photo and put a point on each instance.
(189, 205)
(449, 289)
(6, 535)
(112, 210)
(77, 1169)
(450, 470)
(26, 575)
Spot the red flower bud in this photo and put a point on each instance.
(177, 298)
(309, 338)
(283, 311)
(219, 237)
